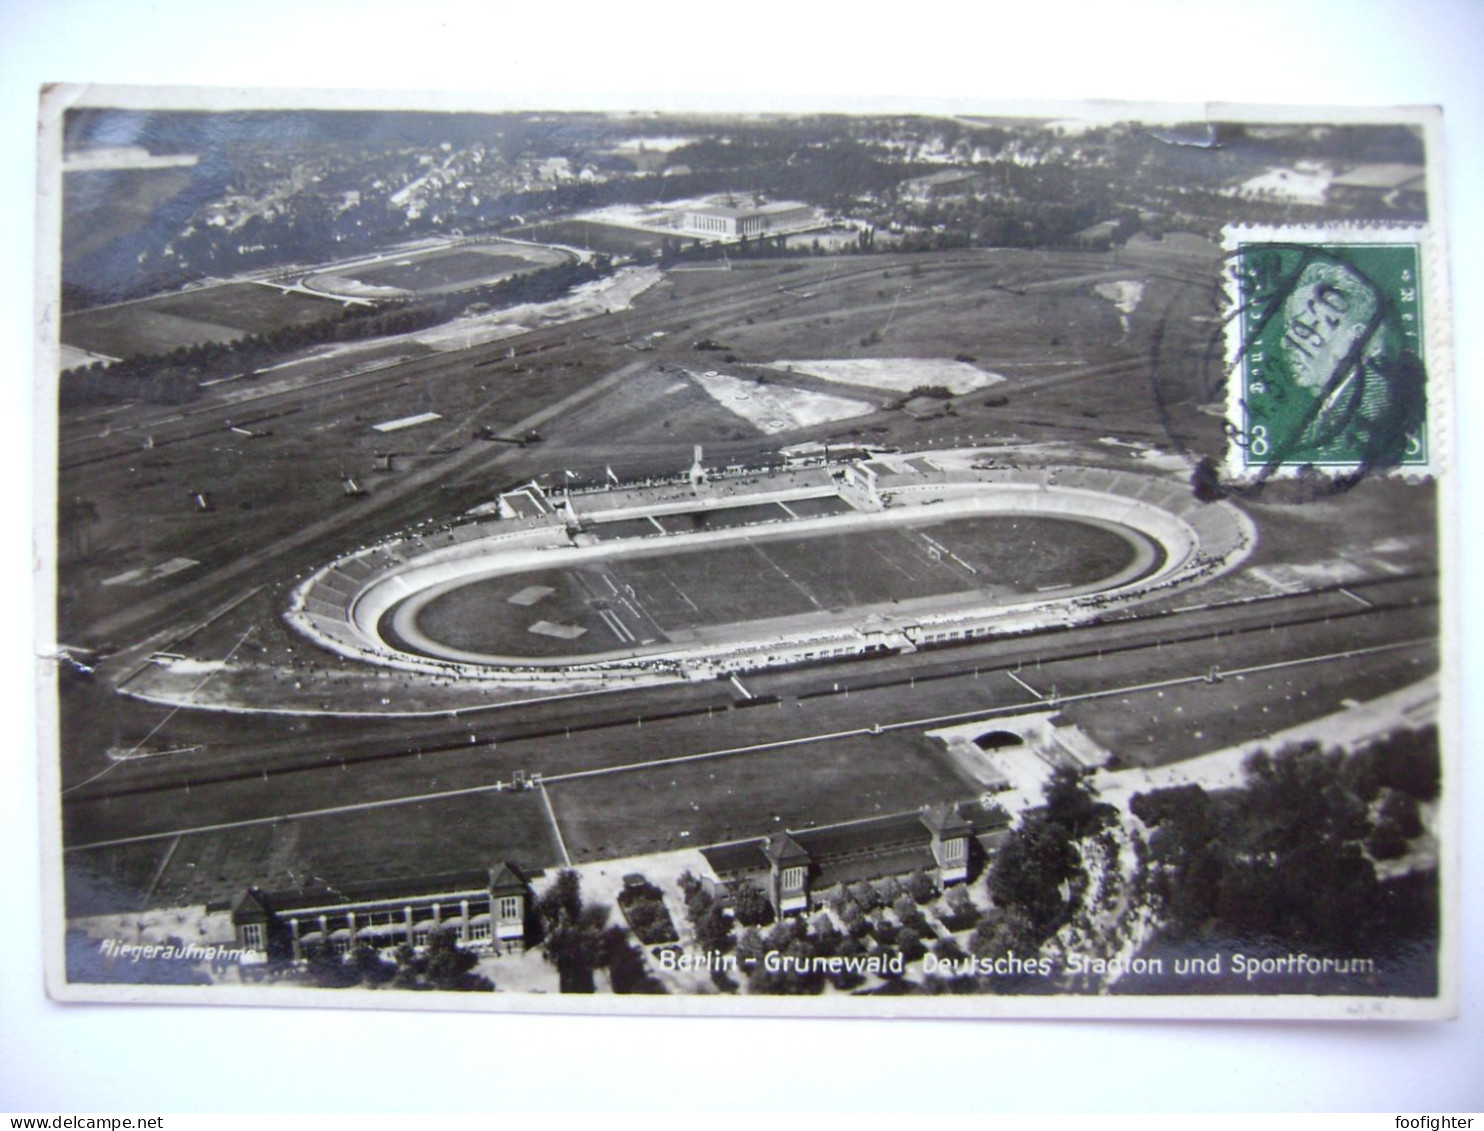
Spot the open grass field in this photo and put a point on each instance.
(415, 839)
(1157, 728)
(134, 329)
(206, 314)
(440, 270)
(699, 803)
(604, 238)
(291, 473)
(773, 575)
(253, 307)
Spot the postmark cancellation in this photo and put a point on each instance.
(1331, 350)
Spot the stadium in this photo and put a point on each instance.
(712, 573)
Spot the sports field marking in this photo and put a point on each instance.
(241, 640)
(556, 829)
(616, 626)
(681, 594)
(1025, 685)
(783, 573)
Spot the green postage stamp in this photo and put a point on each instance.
(1327, 352)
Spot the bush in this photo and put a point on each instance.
(644, 908)
(1401, 809)
(1387, 841)
(948, 950)
(750, 905)
(921, 888)
(909, 942)
(958, 912)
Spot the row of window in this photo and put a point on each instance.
(388, 927)
(955, 851)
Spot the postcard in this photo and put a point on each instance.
(991, 564)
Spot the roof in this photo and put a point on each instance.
(772, 208)
(781, 848)
(386, 890)
(505, 879)
(945, 820)
(875, 842)
(946, 177)
(737, 856)
(875, 866)
(1388, 176)
(870, 836)
(248, 907)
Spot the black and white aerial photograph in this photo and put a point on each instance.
(936, 564)
(636, 558)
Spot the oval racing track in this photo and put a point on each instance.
(347, 605)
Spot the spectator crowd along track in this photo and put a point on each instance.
(718, 579)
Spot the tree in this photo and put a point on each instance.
(1289, 857)
(576, 949)
(714, 929)
(326, 969)
(562, 900)
(450, 967)
(750, 947)
(865, 896)
(1401, 808)
(1072, 803)
(371, 967)
(572, 935)
(750, 905)
(1030, 867)
(627, 970)
(921, 888)
(909, 942)
(1004, 931)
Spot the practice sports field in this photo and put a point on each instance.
(435, 272)
(207, 314)
(605, 238)
(658, 595)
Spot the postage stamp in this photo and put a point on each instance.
(1328, 351)
(984, 564)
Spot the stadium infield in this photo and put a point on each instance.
(667, 595)
(435, 272)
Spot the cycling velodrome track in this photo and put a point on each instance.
(347, 606)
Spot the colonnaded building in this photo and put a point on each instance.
(723, 221)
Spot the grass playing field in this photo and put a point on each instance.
(698, 803)
(655, 594)
(207, 314)
(435, 272)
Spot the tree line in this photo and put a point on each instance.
(175, 377)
